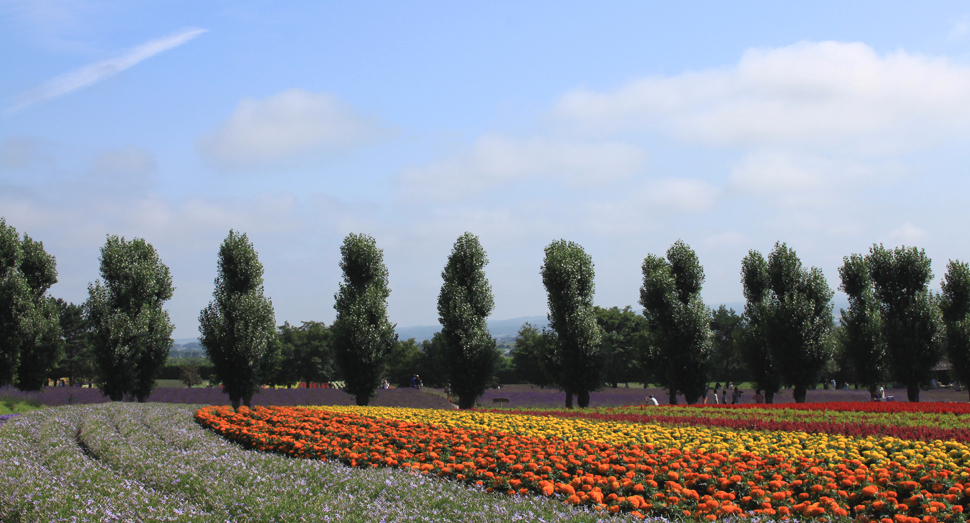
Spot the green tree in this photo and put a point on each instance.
(681, 344)
(912, 325)
(362, 334)
(78, 363)
(30, 344)
(793, 317)
(189, 374)
(567, 274)
(728, 330)
(755, 349)
(132, 332)
(305, 354)
(800, 337)
(464, 303)
(955, 308)
(530, 357)
(403, 362)
(238, 327)
(623, 334)
(434, 369)
(860, 338)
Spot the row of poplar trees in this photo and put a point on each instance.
(238, 325)
(895, 327)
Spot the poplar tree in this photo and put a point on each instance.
(912, 325)
(681, 342)
(30, 332)
(132, 333)
(362, 335)
(955, 307)
(238, 327)
(793, 317)
(464, 303)
(861, 334)
(567, 274)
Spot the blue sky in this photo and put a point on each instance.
(623, 126)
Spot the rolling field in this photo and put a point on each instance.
(411, 457)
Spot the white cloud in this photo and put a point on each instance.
(828, 96)
(495, 160)
(96, 72)
(23, 153)
(907, 234)
(287, 126)
(681, 194)
(129, 162)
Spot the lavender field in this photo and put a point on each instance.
(55, 396)
(152, 462)
(519, 396)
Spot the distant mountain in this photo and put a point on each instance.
(497, 328)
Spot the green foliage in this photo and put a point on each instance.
(238, 328)
(30, 332)
(728, 331)
(189, 374)
(532, 355)
(955, 308)
(464, 303)
(911, 319)
(577, 362)
(860, 338)
(756, 320)
(403, 362)
(434, 368)
(680, 344)
(78, 364)
(362, 334)
(131, 331)
(791, 319)
(305, 354)
(624, 333)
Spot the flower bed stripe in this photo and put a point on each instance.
(692, 417)
(643, 479)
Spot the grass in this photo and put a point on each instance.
(152, 462)
(10, 404)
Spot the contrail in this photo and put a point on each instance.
(96, 72)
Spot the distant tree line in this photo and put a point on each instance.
(895, 328)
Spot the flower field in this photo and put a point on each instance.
(622, 461)
(124, 462)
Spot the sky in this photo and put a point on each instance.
(622, 126)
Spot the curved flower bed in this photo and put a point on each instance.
(615, 467)
(909, 425)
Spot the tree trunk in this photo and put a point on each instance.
(799, 392)
(912, 390)
(769, 397)
(248, 401)
(583, 399)
(465, 402)
(673, 397)
(362, 400)
(235, 403)
(569, 400)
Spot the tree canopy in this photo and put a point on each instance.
(464, 304)
(567, 274)
(131, 331)
(362, 335)
(681, 344)
(30, 344)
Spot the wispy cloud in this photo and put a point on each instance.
(96, 72)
